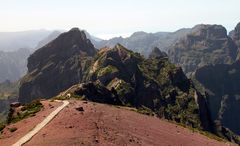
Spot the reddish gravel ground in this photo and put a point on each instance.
(105, 125)
(8, 138)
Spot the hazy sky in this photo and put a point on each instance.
(107, 18)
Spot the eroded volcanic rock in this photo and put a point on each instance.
(122, 75)
(205, 44)
(57, 66)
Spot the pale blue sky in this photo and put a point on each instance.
(116, 17)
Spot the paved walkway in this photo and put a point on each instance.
(29, 135)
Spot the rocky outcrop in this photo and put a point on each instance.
(157, 53)
(57, 66)
(97, 93)
(235, 34)
(154, 83)
(221, 83)
(205, 44)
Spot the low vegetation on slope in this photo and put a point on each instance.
(18, 113)
(29, 109)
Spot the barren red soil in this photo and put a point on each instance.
(103, 125)
(106, 125)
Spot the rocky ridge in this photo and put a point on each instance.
(56, 66)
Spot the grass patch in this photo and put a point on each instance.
(107, 70)
(146, 111)
(28, 110)
(73, 96)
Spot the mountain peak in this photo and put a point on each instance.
(76, 33)
(74, 29)
(138, 33)
(62, 59)
(237, 31)
(209, 31)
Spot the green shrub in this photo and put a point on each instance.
(27, 110)
(2, 126)
(146, 111)
(107, 70)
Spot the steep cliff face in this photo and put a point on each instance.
(157, 53)
(235, 34)
(121, 76)
(57, 66)
(222, 86)
(205, 44)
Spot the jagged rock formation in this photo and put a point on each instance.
(97, 93)
(221, 83)
(143, 42)
(118, 74)
(205, 44)
(57, 66)
(13, 65)
(157, 53)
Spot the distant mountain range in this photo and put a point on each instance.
(203, 45)
(12, 41)
(13, 65)
(143, 42)
(189, 47)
